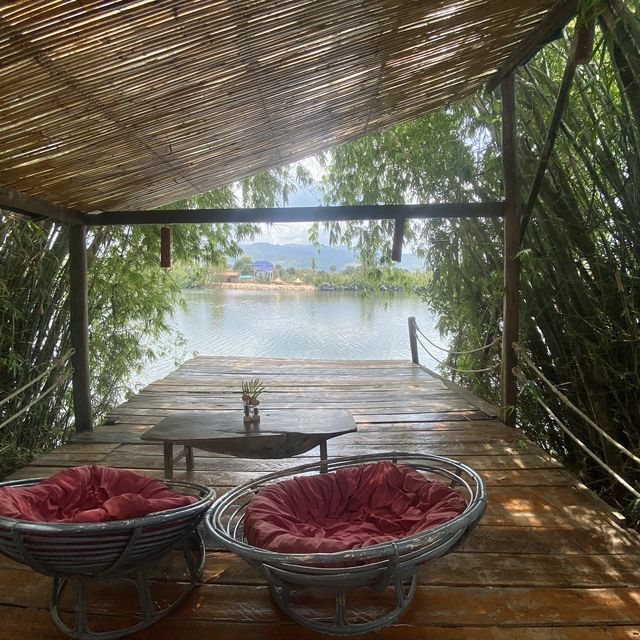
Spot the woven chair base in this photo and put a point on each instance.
(193, 553)
(340, 623)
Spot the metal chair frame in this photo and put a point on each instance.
(79, 554)
(390, 564)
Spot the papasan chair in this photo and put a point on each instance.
(90, 525)
(371, 521)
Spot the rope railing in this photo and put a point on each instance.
(451, 367)
(567, 402)
(458, 353)
(59, 362)
(414, 340)
(614, 474)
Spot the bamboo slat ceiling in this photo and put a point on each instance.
(133, 104)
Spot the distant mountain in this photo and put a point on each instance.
(299, 256)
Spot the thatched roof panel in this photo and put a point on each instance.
(133, 104)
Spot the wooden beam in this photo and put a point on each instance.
(554, 125)
(398, 239)
(165, 247)
(21, 203)
(79, 320)
(510, 321)
(298, 214)
(555, 19)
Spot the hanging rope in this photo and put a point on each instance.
(56, 363)
(522, 378)
(458, 353)
(444, 364)
(523, 354)
(45, 393)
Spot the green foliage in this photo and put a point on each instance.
(252, 389)
(33, 335)
(361, 278)
(244, 266)
(130, 301)
(580, 290)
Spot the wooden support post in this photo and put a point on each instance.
(511, 246)
(413, 340)
(398, 239)
(79, 320)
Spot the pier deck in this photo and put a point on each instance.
(548, 561)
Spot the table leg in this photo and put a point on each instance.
(323, 456)
(188, 454)
(168, 460)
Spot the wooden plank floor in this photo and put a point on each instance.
(549, 560)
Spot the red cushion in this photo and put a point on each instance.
(349, 509)
(90, 494)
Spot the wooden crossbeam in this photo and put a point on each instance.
(298, 214)
(556, 18)
(21, 203)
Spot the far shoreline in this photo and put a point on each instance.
(260, 286)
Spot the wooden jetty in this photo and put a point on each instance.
(548, 561)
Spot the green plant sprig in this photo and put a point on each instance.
(252, 389)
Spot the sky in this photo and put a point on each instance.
(292, 233)
(297, 232)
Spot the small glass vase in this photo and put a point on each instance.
(251, 412)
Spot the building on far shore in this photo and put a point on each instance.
(263, 269)
(231, 276)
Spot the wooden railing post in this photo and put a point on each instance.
(512, 211)
(79, 321)
(413, 340)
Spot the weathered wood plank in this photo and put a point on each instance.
(548, 560)
(36, 623)
(432, 605)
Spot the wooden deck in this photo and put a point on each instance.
(549, 560)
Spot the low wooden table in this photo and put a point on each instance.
(279, 434)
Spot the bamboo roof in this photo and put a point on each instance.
(131, 104)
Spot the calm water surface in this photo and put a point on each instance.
(294, 324)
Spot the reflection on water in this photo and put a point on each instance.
(295, 324)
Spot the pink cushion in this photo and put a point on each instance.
(90, 494)
(349, 509)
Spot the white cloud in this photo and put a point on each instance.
(293, 232)
(281, 233)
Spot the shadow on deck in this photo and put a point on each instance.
(549, 559)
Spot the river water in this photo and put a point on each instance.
(294, 324)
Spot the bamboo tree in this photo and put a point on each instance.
(580, 258)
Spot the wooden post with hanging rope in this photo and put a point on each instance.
(413, 340)
(511, 179)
